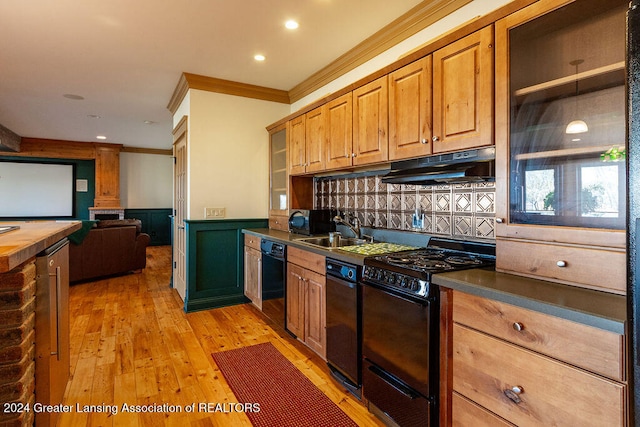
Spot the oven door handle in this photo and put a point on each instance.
(384, 376)
(397, 295)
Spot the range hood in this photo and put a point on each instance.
(475, 165)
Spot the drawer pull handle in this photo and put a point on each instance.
(561, 264)
(518, 326)
(513, 394)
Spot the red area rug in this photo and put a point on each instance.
(261, 374)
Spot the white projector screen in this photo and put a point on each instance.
(36, 190)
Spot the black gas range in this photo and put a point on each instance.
(409, 272)
(400, 327)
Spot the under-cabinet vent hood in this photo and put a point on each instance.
(464, 166)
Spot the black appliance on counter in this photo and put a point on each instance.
(313, 221)
(274, 273)
(400, 324)
(343, 324)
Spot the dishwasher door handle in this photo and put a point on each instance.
(341, 282)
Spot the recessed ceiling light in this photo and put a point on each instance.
(93, 116)
(101, 137)
(259, 57)
(291, 24)
(149, 122)
(74, 97)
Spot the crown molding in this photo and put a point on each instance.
(178, 94)
(211, 84)
(164, 152)
(415, 20)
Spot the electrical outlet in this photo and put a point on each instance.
(418, 221)
(215, 213)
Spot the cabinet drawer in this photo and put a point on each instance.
(309, 260)
(591, 348)
(252, 241)
(591, 268)
(465, 413)
(279, 222)
(486, 369)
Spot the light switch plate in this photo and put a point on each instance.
(215, 213)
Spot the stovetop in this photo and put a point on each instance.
(410, 272)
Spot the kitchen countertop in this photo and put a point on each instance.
(594, 308)
(292, 239)
(18, 246)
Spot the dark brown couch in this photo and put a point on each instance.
(110, 247)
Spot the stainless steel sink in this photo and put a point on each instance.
(336, 242)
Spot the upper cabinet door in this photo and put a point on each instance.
(314, 130)
(339, 132)
(370, 122)
(297, 150)
(410, 110)
(463, 93)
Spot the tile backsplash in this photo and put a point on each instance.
(461, 211)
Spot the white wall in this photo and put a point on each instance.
(463, 15)
(229, 154)
(146, 180)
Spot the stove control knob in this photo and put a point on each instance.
(403, 282)
(414, 285)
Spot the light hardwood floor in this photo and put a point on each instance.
(132, 343)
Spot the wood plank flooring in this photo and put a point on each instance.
(132, 343)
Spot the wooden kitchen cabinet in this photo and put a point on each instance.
(463, 93)
(296, 149)
(306, 298)
(339, 132)
(253, 270)
(528, 368)
(560, 196)
(410, 110)
(307, 142)
(314, 140)
(371, 122)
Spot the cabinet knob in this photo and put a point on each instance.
(518, 326)
(353, 154)
(499, 220)
(513, 393)
(435, 138)
(561, 264)
(424, 141)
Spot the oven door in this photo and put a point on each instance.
(400, 336)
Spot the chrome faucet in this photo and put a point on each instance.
(354, 228)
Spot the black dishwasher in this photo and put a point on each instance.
(274, 272)
(343, 324)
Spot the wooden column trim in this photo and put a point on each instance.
(107, 176)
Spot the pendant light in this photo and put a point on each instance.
(576, 126)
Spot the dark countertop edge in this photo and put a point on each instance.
(292, 239)
(593, 308)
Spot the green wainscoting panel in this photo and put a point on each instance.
(156, 222)
(215, 262)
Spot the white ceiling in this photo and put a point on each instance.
(125, 57)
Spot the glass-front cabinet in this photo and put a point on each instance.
(560, 139)
(278, 178)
